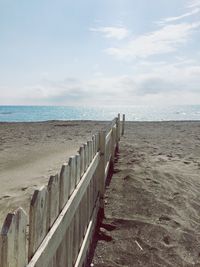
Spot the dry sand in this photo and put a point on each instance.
(31, 152)
(153, 199)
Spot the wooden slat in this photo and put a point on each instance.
(102, 165)
(72, 164)
(88, 236)
(61, 254)
(96, 184)
(89, 151)
(85, 214)
(93, 146)
(92, 194)
(107, 168)
(97, 142)
(37, 220)
(113, 142)
(118, 128)
(76, 235)
(70, 245)
(55, 235)
(123, 124)
(78, 168)
(108, 136)
(53, 199)
(87, 208)
(81, 152)
(64, 185)
(13, 240)
(86, 156)
(81, 214)
(117, 134)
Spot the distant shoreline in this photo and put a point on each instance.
(98, 113)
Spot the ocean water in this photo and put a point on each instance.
(133, 113)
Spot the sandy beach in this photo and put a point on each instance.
(31, 152)
(152, 203)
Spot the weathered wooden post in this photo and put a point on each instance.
(123, 124)
(102, 165)
(37, 219)
(117, 132)
(119, 128)
(113, 144)
(13, 240)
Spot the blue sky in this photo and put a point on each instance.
(100, 52)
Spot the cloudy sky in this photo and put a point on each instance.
(100, 52)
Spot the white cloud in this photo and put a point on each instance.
(162, 41)
(112, 32)
(188, 14)
(154, 83)
(193, 3)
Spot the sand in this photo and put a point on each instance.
(152, 202)
(31, 152)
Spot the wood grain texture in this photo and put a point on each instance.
(78, 168)
(53, 199)
(72, 164)
(82, 160)
(37, 219)
(64, 185)
(13, 240)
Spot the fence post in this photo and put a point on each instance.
(119, 128)
(13, 240)
(113, 144)
(117, 132)
(37, 219)
(102, 144)
(123, 124)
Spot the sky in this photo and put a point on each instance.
(99, 52)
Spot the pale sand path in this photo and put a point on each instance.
(31, 152)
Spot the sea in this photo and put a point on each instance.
(133, 113)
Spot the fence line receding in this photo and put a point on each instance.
(63, 214)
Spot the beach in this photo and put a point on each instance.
(152, 202)
(31, 152)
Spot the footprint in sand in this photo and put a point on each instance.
(3, 197)
(166, 240)
(24, 188)
(186, 162)
(127, 178)
(164, 218)
(168, 219)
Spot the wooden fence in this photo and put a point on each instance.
(63, 214)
